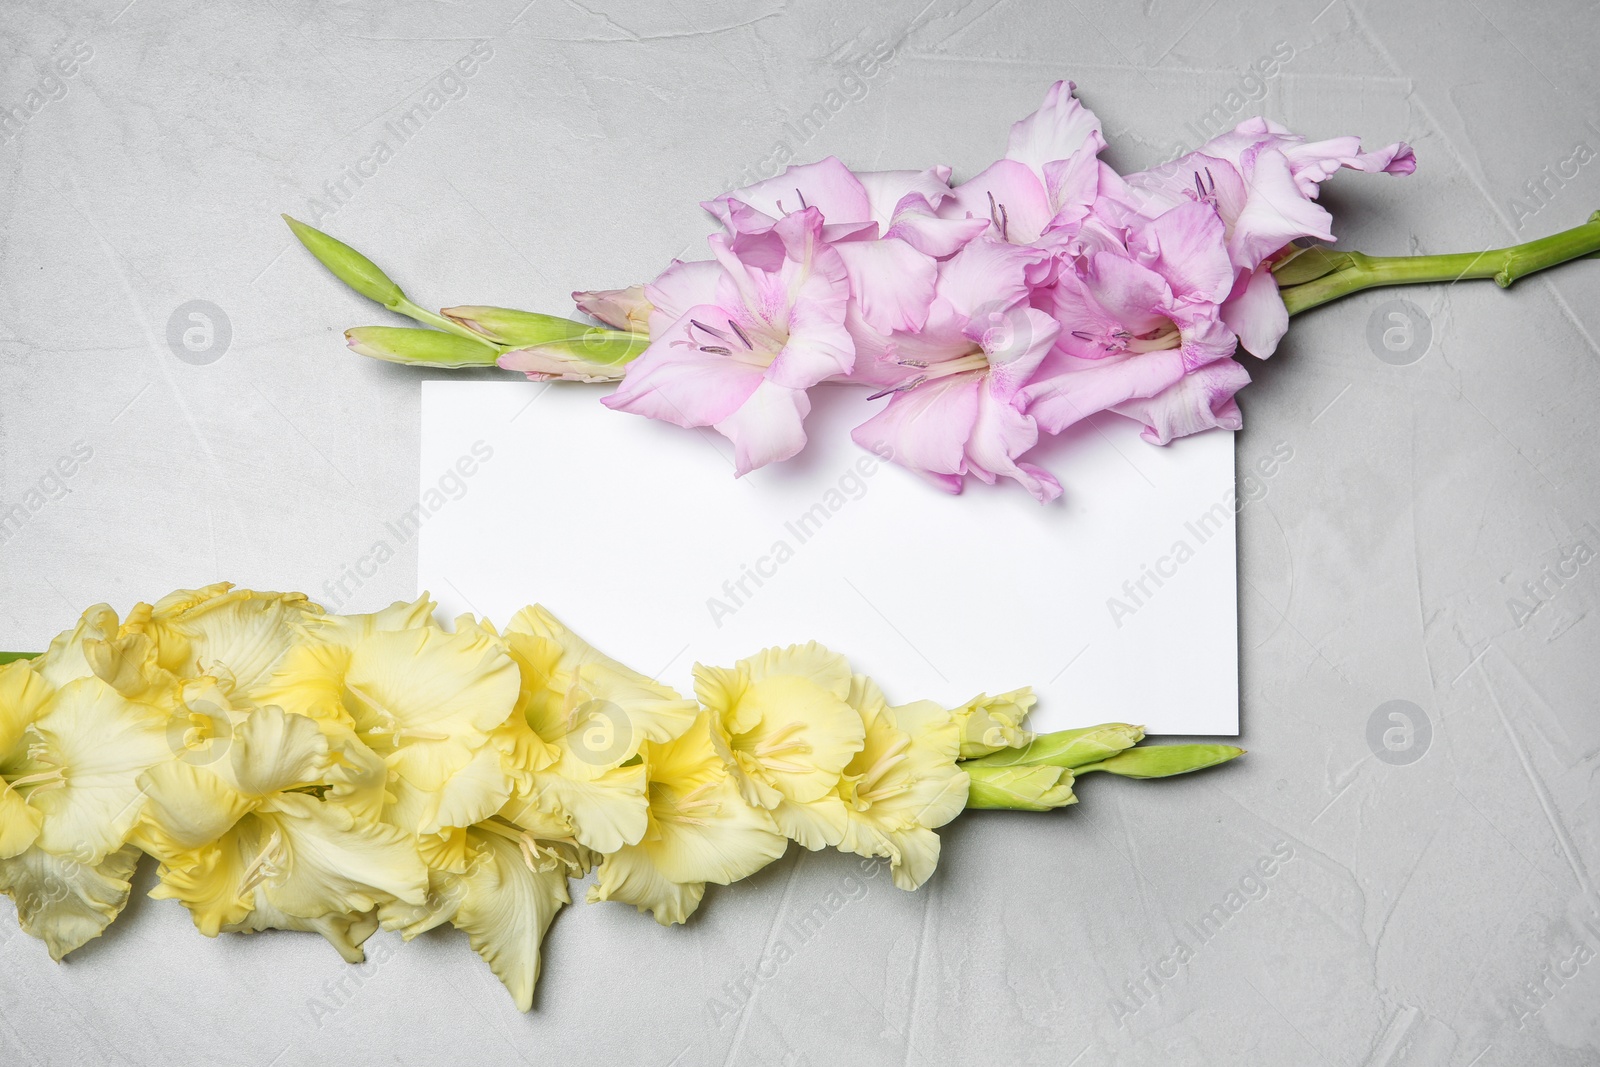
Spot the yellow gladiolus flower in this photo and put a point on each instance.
(903, 783)
(700, 830)
(782, 722)
(424, 700)
(581, 720)
(70, 759)
(245, 844)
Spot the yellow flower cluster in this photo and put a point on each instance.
(293, 769)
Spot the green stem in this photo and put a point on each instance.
(423, 315)
(12, 657)
(1504, 265)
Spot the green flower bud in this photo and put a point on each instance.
(1069, 748)
(1019, 788)
(348, 265)
(420, 348)
(1161, 761)
(515, 329)
(599, 355)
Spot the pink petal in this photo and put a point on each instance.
(988, 276)
(1009, 194)
(1000, 434)
(891, 281)
(1072, 185)
(1257, 314)
(887, 188)
(1016, 342)
(767, 427)
(679, 288)
(826, 185)
(925, 428)
(1058, 129)
(676, 381)
(1187, 246)
(915, 223)
(1069, 389)
(1130, 292)
(1275, 214)
(1200, 401)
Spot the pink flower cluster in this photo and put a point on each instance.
(1043, 290)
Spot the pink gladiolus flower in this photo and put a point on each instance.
(1263, 181)
(1135, 323)
(954, 384)
(883, 226)
(736, 341)
(1048, 180)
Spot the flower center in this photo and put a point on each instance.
(1001, 220)
(871, 787)
(1205, 191)
(1117, 341)
(734, 342)
(973, 361)
(389, 724)
(694, 808)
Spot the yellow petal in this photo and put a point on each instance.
(331, 864)
(426, 699)
(903, 782)
(186, 807)
(505, 909)
(19, 824)
(358, 777)
(989, 724)
(64, 902)
(918, 850)
(274, 751)
(23, 695)
(629, 877)
(64, 660)
(655, 711)
(471, 794)
(785, 720)
(349, 629)
(818, 824)
(309, 680)
(345, 932)
(101, 743)
(245, 631)
(604, 813)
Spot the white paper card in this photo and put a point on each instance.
(1116, 603)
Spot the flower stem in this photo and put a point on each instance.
(1504, 265)
(12, 657)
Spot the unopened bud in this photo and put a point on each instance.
(1019, 788)
(1069, 748)
(420, 348)
(348, 265)
(1161, 761)
(623, 309)
(599, 355)
(515, 329)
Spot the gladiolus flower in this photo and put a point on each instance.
(956, 385)
(782, 723)
(750, 333)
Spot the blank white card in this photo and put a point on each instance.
(1116, 603)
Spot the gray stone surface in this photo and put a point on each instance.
(1432, 910)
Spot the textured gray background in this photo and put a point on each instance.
(1429, 908)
